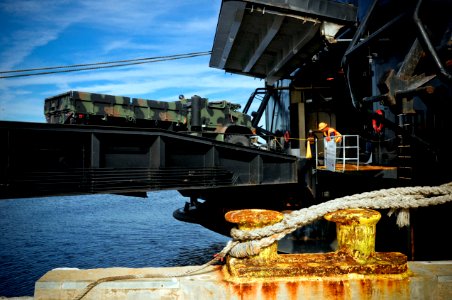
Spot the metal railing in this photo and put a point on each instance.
(345, 152)
(349, 150)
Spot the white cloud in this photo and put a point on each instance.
(129, 45)
(159, 81)
(118, 30)
(44, 21)
(33, 9)
(144, 18)
(22, 44)
(32, 24)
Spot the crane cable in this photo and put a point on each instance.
(97, 65)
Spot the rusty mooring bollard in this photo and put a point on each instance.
(249, 219)
(356, 229)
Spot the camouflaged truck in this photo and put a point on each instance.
(215, 119)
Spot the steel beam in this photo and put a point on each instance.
(264, 42)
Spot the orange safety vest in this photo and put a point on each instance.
(333, 132)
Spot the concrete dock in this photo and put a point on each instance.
(424, 280)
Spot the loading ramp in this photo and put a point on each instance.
(40, 159)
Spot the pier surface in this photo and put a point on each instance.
(424, 280)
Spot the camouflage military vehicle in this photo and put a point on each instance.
(215, 119)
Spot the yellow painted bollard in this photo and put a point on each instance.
(249, 219)
(356, 230)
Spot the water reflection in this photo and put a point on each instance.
(96, 231)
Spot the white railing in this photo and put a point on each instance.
(349, 151)
(345, 152)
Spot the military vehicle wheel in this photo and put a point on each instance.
(238, 140)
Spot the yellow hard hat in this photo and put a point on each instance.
(322, 125)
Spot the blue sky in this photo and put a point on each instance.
(42, 33)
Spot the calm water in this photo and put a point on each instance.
(96, 231)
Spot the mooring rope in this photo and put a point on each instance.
(196, 270)
(249, 242)
(401, 199)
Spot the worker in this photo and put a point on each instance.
(332, 150)
(330, 132)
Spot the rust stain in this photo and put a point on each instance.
(333, 287)
(245, 291)
(253, 218)
(354, 216)
(292, 290)
(334, 290)
(270, 290)
(318, 264)
(311, 289)
(365, 288)
(394, 287)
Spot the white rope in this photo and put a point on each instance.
(193, 271)
(400, 199)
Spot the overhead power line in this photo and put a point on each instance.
(97, 65)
